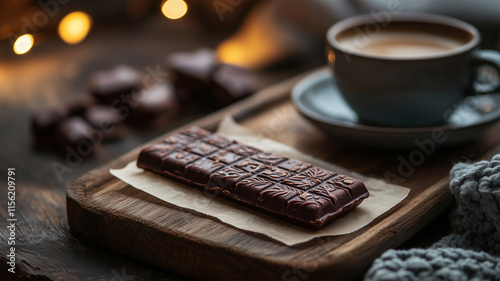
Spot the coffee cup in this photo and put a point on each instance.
(409, 70)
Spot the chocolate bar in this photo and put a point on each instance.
(281, 187)
(232, 83)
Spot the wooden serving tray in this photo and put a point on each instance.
(126, 220)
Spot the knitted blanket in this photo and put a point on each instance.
(472, 251)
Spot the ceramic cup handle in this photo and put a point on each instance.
(485, 84)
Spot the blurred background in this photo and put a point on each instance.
(248, 32)
(49, 50)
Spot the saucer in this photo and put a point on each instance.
(317, 98)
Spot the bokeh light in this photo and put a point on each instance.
(174, 9)
(74, 27)
(23, 44)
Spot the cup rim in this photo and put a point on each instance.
(404, 17)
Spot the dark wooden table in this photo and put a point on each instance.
(54, 73)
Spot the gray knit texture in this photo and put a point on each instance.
(435, 264)
(472, 251)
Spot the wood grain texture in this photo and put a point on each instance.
(129, 221)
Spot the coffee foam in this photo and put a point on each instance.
(403, 40)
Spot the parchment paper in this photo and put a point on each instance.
(383, 196)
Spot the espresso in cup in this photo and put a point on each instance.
(406, 72)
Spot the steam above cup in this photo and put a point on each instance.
(408, 70)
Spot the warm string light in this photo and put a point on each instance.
(174, 9)
(23, 44)
(74, 27)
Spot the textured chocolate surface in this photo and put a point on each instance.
(285, 188)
